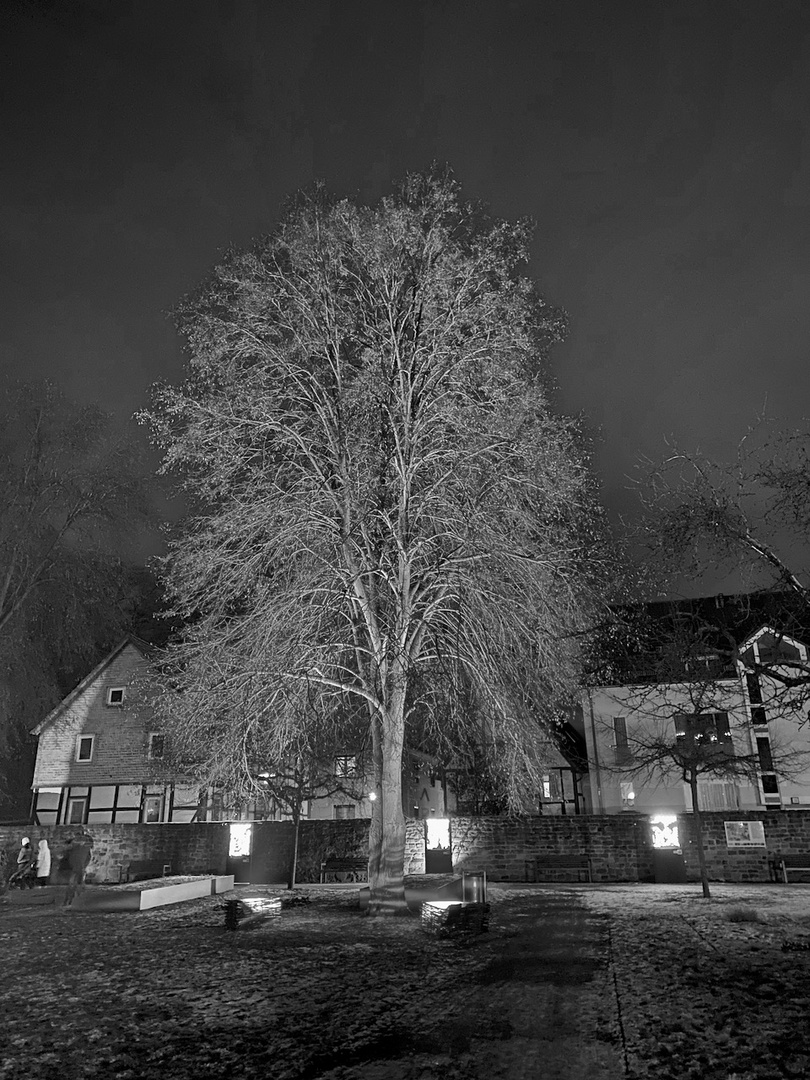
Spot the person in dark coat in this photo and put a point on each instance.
(77, 856)
(26, 861)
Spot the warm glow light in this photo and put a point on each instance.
(665, 831)
(438, 833)
(372, 795)
(239, 839)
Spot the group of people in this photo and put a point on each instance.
(34, 866)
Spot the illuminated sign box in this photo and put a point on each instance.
(744, 834)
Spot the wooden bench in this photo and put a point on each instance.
(143, 869)
(352, 869)
(540, 863)
(796, 863)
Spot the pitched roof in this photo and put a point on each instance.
(143, 648)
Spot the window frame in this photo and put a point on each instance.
(76, 800)
(346, 766)
(77, 752)
(150, 741)
(622, 751)
(115, 690)
(147, 799)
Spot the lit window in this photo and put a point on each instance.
(115, 695)
(704, 731)
(343, 813)
(84, 747)
(157, 742)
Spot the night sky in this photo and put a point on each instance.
(663, 149)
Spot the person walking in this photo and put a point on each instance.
(43, 862)
(77, 856)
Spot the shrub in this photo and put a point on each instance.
(742, 913)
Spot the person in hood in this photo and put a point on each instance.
(43, 862)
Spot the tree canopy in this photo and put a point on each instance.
(73, 494)
(388, 510)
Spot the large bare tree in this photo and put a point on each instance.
(384, 496)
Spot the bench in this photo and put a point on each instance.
(144, 869)
(796, 863)
(245, 910)
(540, 863)
(350, 868)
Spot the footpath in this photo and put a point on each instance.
(551, 987)
(541, 1007)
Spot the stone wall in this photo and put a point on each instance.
(414, 846)
(787, 832)
(618, 846)
(189, 849)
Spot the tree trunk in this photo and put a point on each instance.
(701, 854)
(294, 863)
(386, 864)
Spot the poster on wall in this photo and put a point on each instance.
(744, 834)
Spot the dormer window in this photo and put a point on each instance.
(84, 747)
(115, 696)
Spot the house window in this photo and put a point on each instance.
(115, 695)
(76, 812)
(345, 812)
(620, 743)
(84, 747)
(156, 745)
(776, 650)
(765, 755)
(704, 731)
(754, 688)
(552, 789)
(345, 765)
(758, 714)
(628, 795)
(152, 806)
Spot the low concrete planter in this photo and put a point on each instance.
(111, 898)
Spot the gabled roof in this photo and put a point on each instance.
(143, 648)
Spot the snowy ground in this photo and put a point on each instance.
(651, 981)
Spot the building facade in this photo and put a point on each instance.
(101, 760)
(741, 713)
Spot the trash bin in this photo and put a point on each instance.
(474, 887)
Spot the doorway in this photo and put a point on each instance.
(239, 846)
(438, 851)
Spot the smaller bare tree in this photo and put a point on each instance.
(288, 786)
